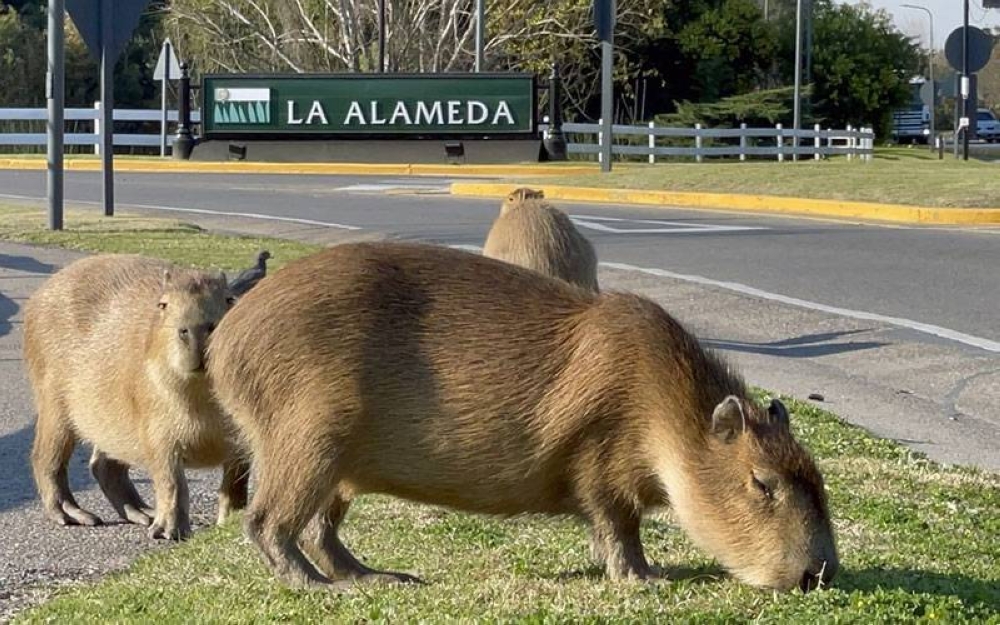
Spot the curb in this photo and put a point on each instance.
(358, 169)
(749, 203)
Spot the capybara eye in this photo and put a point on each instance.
(211, 328)
(763, 488)
(161, 305)
(183, 333)
(230, 300)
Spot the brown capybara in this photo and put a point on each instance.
(448, 378)
(115, 351)
(532, 233)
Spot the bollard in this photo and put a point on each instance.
(184, 141)
(555, 141)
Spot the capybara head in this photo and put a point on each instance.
(758, 502)
(190, 308)
(519, 196)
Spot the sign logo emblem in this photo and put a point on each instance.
(235, 105)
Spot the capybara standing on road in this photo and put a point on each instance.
(532, 233)
(115, 351)
(453, 379)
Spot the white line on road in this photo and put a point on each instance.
(665, 227)
(205, 211)
(926, 328)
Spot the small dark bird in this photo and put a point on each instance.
(249, 277)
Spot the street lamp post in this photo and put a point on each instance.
(930, 68)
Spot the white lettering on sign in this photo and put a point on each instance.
(450, 112)
(472, 107)
(503, 111)
(432, 115)
(355, 112)
(315, 112)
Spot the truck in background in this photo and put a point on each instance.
(911, 123)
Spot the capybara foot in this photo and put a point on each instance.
(169, 530)
(139, 516)
(66, 513)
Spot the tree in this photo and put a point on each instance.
(421, 36)
(861, 66)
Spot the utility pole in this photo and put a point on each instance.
(965, 83)
(797, 109)
(480, 32)
(55, 96)
(381, 35)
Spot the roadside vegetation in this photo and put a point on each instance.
(918, 540)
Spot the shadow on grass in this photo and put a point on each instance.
(968, 589)
(699, 574)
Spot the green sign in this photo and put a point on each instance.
(386, 105)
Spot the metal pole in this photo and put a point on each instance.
(107, 108)
(163, 98)
(606, 102)
(966, 86)
(480, 32)
(381, 35)
(797, 109)
(56, 96)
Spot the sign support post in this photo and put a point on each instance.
(55, 90)
(604, 18)
(107, 108)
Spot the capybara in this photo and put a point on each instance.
(448, 378)
(115, 352)
(532, 233)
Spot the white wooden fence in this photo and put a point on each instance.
(741, 142)
(90, 115)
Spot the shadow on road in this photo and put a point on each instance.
(8, 308)
(26, 264)
(17, 487)
(806, 346)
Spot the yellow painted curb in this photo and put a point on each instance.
(750, 203)
(358, 169)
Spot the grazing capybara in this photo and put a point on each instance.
(115, 352)
(448, 378)
(532, 233)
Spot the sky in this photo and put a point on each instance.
(947, 17)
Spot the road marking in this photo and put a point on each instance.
(394, 188)
(909, 324)
(205, 211)
(665, 227)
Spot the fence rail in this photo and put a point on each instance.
(582, 139)
(127, 139)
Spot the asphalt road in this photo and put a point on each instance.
(892, 326)
(944, 277)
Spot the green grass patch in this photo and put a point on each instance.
(894, 176)
(918, 541)
(173, 240)
(918, 544)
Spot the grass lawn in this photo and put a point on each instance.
(895, 176)
(918, 542)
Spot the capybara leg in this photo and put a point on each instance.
(616, 539)
(322, 544)
(234, 487)
(172, 506)
(53, 446)
(112, 476)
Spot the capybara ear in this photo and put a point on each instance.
(778, 412)
(728, 419)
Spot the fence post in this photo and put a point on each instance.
(697, 143)
(97, 127)
(652, 144)
(850, 144)
(816, 141)
(743, 141)
(780, 143)
(600, 139)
